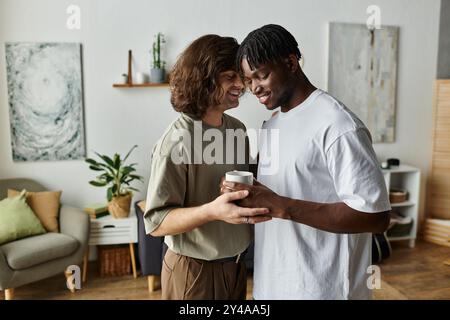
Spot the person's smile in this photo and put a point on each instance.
(264, 97)
(234, 94)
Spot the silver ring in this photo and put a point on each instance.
(247, 220)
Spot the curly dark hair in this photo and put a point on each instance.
(270, 43)
(194, 79)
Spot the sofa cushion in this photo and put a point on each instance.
(17, 220)
(28, 252)
(45, 205)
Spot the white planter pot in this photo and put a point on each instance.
(123, 79)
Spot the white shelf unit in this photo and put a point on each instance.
(108, 230)
(408, 178)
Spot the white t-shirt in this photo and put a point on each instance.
(324, 155)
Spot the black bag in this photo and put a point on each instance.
(381, 248)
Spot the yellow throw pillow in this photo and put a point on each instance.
(45, 205)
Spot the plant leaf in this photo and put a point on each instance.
(95, 168)
(117, 161)
(114, 189)
(111, 170)
(135, 177)
(106, 167)
(91, 161)
(97, 183)
(105, 177)
(106, 159)
(109, 194)
(126, 157)
(126, 170)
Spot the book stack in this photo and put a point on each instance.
(437, 231)
(97, 210)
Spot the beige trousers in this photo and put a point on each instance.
(185, 278)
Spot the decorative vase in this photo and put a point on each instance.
(119, 207)
(157, 75)
(140, 78)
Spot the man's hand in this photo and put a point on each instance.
(331, 217)
(223, 208)
(259, 196)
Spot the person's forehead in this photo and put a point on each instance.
(227, 71)
(262, 66)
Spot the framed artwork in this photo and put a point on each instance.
(362, 74)
(45, 101)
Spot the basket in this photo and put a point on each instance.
(400, 229)
(119, 207)
(114, 260)
(398, 195)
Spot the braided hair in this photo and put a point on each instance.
(270, 43)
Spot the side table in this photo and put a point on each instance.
(107, 230)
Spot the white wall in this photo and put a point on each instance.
(116, 119)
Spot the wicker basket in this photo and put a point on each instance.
(114, 260)
(119, 207)
(398, 195)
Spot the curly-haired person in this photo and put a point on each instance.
(206, 233)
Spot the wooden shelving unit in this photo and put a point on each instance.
(130, 83)
(438, 200)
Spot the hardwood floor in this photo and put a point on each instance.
(418, 273)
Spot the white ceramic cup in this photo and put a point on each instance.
(245, 177)
(140, 78)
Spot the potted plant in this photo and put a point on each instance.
(123, 78)
(117, 176)
(157, 72)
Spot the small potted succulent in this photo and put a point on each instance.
(157, 72)
(116, 176)
(123, 78)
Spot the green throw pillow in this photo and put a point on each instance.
(17, 220)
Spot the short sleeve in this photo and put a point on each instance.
(166, 190)
(357, 177)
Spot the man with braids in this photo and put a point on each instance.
(206, 233)
(328, 194)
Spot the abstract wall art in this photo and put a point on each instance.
(362, 73)
(45, 101)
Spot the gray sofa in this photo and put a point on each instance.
(34, 258)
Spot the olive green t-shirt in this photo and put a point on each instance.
(186, 167)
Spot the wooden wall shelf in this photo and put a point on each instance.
(144, 85)
(130, 83)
